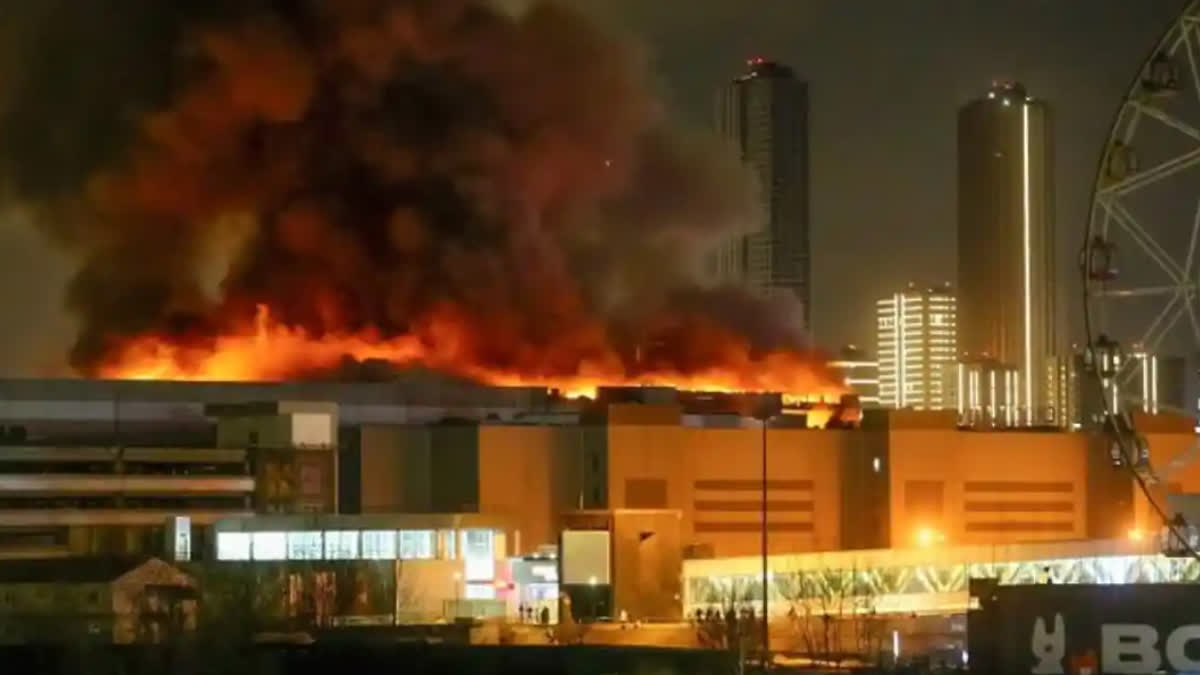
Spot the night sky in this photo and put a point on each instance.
(886, 79)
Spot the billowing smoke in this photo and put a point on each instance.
(440, 169)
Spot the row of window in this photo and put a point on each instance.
(328, 545)
(477, 546)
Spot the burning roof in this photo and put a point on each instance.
(280, 189)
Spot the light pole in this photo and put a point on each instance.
(766, 644)
(765, 408)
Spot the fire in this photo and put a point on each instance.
(266, 350)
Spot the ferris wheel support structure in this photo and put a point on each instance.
(1159, 116)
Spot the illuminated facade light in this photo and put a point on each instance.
(917, 334)
(992, 398)
(1151, 382)
(1027, 264)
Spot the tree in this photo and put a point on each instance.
(729, 621)
(832, 615)
(236, 602)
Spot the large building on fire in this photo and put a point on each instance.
(445, 471)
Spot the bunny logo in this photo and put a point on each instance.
(1049, 648)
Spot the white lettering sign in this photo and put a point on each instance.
(1128, 648)
(1125, 648)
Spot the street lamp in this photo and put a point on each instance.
(927, 537)
(765, 408)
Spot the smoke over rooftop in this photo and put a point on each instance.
(258, 189)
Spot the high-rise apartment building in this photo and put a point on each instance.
(917, 331)
(764, 115)
(1006, 271)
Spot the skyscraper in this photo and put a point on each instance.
(764, 114)
(1006, 272)
(916, 349)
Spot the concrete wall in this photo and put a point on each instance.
(865, 490)
(419, 469)
(646, 560)
(394, 469)
(874, 487)
(1176, 466)
(517, 478)
(714, 478)
(980, 488)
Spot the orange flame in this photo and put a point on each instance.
(268, 350)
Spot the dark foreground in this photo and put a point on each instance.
(349, 659)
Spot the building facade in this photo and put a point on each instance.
(763, 114)
(916, 345)
(1148, 382)
(449, 489)
(861, 375)
(1006, 259)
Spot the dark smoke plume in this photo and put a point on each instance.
(369, 164)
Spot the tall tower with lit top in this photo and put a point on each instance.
(1006, 264)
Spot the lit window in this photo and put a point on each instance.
(416, 544)
(233, 546)
(341, 545)
(448, 544)
(379, 545)
(304, 546)
(269, 546)
(478, 556)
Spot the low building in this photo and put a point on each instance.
(105, 600)
(378, 568)
(382, 483)
(861, 375)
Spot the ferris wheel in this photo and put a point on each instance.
(1140, 260)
